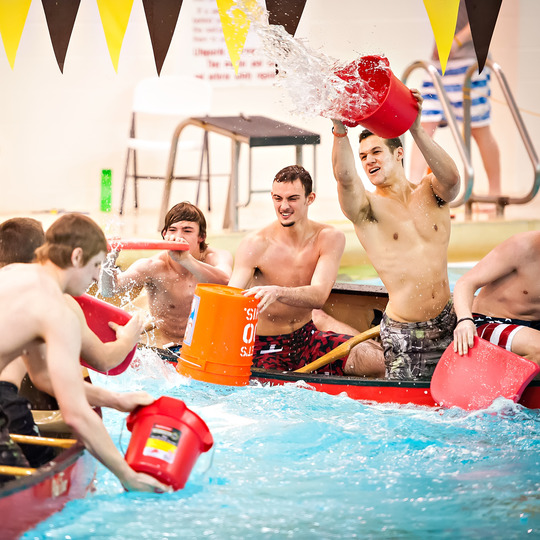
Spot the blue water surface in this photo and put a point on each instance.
(293, 463)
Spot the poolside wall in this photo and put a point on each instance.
(57, 131)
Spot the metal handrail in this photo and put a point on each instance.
(501, 201)
(463, 149)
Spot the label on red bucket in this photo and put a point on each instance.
(162, 443)
(190, 326)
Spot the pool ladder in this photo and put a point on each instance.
(463, 141)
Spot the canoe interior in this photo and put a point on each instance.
(27, 500)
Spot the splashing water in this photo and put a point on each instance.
(293, 463)
(316, 83)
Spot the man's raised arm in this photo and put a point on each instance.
(216, 268)
(351, 192)
(445, 179)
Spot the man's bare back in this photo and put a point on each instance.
(45, 311)
(515, 293)
(509, 289)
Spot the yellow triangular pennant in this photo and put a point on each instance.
(235, 24)
(13, 15)
(114, 18)
(443, 17)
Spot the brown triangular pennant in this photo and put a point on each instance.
(60, 16)
(161, 17)
(286, 13)
(482, 18)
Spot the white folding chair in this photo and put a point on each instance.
(159, 105)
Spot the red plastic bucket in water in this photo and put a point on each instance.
(167, 438)
(375, 98)
(220, 335)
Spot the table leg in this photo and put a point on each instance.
(299, 156)
(230, 219)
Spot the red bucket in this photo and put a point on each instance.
(375, 98)
(167, 438)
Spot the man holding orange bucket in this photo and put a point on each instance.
(170, 277)
(290, 266)
(405, 230)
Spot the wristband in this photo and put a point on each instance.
(465, 319)
(459, 43)
(339, 135)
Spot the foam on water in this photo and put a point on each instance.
(293, 463)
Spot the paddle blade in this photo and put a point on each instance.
(98, 314)
(487, 372)
(116, 243)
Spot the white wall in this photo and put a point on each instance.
(57, 131)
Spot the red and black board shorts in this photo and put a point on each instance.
(287, 352)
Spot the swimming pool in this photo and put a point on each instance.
(292, 463)
(366, 275)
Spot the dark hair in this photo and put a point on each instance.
(393, 144)
(295, 172)
(68, 232)
(186, 211)
(19, 239)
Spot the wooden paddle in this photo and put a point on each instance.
(146, 244)
(340, 351)
(8, 470)
(43, 441)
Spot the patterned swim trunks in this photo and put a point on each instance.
(501, 330)
(412, 350)
(287, 352)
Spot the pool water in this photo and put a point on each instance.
(294, 463)
(366, 275)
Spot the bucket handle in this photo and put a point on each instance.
(199, 362)
(210, 458)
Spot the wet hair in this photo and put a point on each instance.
(19, 239)
(68, 232)
(392, 144)
(295, 172)
(186, 211)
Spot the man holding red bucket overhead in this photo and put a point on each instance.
(290, 266)
(405, 230)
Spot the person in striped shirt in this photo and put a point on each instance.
(506, 311)
(462, 56)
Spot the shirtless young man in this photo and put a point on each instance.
(405, 230)
(506, 311)
(171, 276)
(291, 266)
(19, 239)
(35, 313)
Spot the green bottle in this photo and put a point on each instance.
(106, 190)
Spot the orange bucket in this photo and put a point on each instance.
(375, 98)
(220, 335)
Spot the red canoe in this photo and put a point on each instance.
(26, 501)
